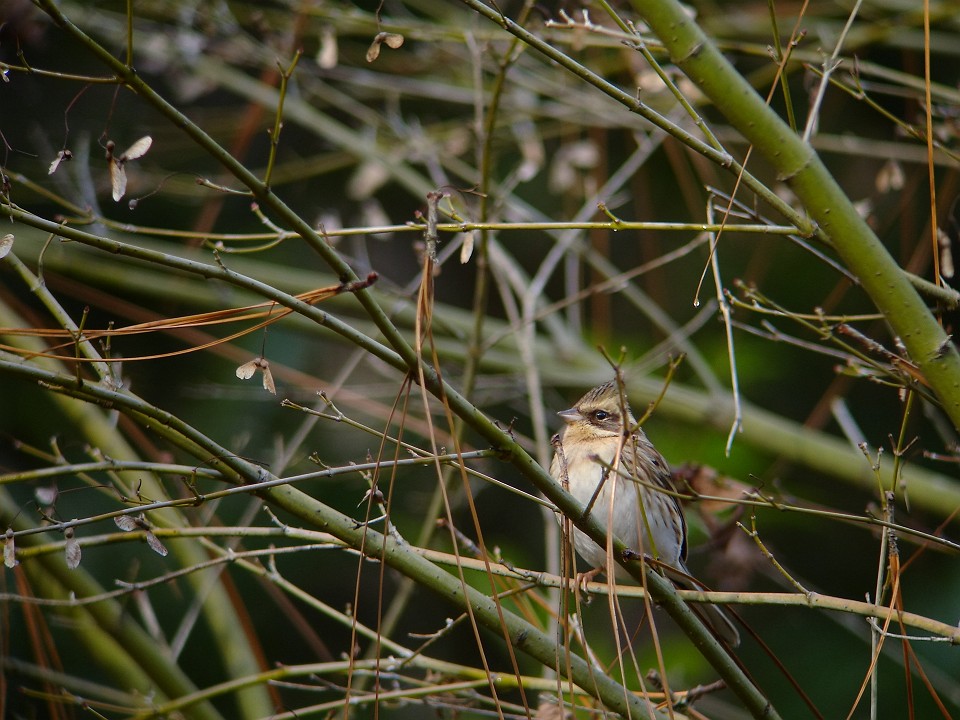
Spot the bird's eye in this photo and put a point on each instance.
(601, 415)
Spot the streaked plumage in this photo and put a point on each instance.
(651, 522)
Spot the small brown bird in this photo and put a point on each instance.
(628, 499)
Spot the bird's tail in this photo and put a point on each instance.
(715, 618)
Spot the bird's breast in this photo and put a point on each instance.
(593, 474)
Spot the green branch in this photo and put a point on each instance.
(838, 222)
(798, 164)
(109, 636)
(523, 635)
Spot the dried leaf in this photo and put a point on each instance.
(46, 494)
(375, 494)
(72, 550)
(9, 549)
(890, 177)
(569, 162)
(393, 40)
(139, 522)
(328, 53)
(947, 268)
(268, 383)
(118, 175)
(6, 245)
(864, 207)
(118, 180)
(707, 481)
(126, 523)
(249, 369)
(137, 150)
(62, 156)
(466, 250)
(154, 542)
(373, 52)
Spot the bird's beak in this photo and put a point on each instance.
(570, 416)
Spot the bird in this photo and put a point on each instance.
(611, 467)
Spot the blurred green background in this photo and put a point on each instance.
(361, 143)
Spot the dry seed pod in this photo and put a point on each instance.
(118, 175)
(46, 494)
(154, 542)
(466, 249)
(328, 53)
(890, 178)
(128, 523)
(9, 549)
(62, 156)
(72, 549)
(391, 40)
(249, 369)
